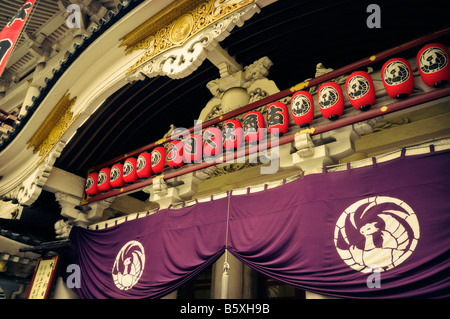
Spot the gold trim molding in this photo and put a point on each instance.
(54, 126)
(156, 22)
(156, 38)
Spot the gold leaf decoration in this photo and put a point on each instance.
(231, 168)
(53, 127)
(156, 22)
(179, 30)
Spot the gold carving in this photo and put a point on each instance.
(156, 22)
(53, 127)
(309, 130)
(387, 124)
(160, 141)
(300, 86)
(179, 30)
(231, 168)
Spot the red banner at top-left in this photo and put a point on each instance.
(11, 32)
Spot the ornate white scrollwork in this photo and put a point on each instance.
(181, 61)
(31, 188)
(62, 229)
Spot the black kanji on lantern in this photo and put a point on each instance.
(115, 173)
(230, 131)
(156, 157)
(207, 139)
(127, 168)
(191, 145)
(102, 177)
(140, 163)
(251, 123)
(172, 151)
(275, 116)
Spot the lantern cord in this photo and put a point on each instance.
(226, 265)
(228, 222)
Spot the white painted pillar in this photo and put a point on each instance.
(172, 295)
(235, 278)
(312, 295)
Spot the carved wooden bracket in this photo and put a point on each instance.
(178, 49)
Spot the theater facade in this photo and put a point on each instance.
(241, 149)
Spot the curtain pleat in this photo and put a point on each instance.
(380, 231)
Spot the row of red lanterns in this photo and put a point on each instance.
(193, 149)
(397, 78)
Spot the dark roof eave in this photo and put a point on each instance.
(65, 64)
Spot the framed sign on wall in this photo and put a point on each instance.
(43, 278)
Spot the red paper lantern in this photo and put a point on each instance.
(302, 108)
(116, 175)
(233, 134)
(104, 183)
(360, 90)
(434, 68)
(130, 170)
(254, 129)
(331, 100)
(174, 155)
(91, 184)
(277, 118)
(212, 142)
(158, 159)
(397, 78)
(144, 165)
(192, 150)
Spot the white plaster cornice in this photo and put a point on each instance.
(91, 78)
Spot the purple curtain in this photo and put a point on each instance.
(164, 250)
(300, 234)
(380, 231)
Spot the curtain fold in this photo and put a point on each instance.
(309, 233)
(380, 231)
(151, 256)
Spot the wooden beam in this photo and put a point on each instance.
(404, 135)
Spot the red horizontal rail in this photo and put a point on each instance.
(287, 92)
(341, 122)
